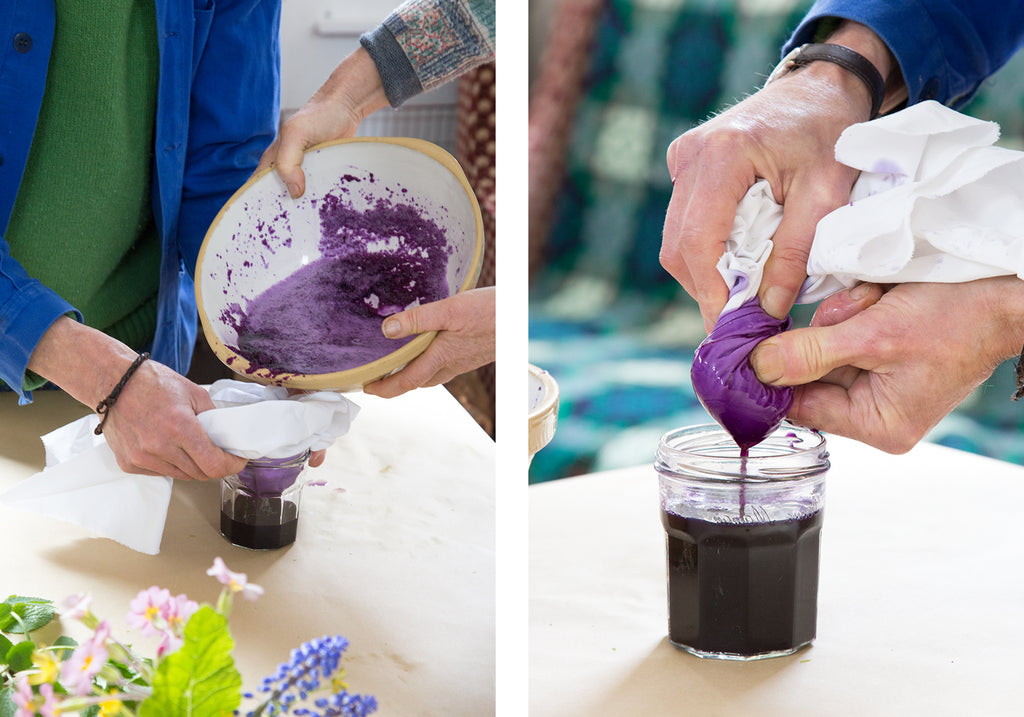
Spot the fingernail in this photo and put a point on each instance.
(392, 328)
(859, 292)
(766, 360)
(777, 301)
(293, 189)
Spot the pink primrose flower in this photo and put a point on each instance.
(177, 611)
(24, 698)
(236, 582)
(76, 606)
(51, 705)
(149, 610)
(85, 662)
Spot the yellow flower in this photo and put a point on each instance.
(48, 668)
(110, 707)
(338, 683)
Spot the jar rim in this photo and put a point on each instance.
(283, 461)
(708, 452)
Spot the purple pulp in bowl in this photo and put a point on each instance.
(326, 316)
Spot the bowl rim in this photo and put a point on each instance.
(544, 418)
(352, 379)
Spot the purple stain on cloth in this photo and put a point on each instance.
(326, 316)
(725, 382)
(269, 476)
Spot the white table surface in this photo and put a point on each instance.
(920, 605)
(396, 553)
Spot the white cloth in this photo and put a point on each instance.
(935, 201)
(83, 484)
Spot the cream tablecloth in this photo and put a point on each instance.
(396, 552)
(921, 598)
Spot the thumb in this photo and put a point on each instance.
(426, 317)
(798, 356)
(291, 144)
(289, 161)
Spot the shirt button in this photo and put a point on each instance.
(22, 42)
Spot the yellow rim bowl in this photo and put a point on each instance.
(543, 411)
(262, 236)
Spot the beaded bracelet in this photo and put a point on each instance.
(103, 409)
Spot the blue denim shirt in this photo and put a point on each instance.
(945, 48)
(217, 110)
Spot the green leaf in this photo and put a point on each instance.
(5, 616)
(63, 646)
(5, 645)
(7, 706)
(200, 679)
(19, 657)
(34, 612)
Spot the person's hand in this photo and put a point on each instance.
(885, 368)
(465, 341)
(785, 133)
(152, 427)
(352, 92)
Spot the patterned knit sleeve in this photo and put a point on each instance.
(425, 43)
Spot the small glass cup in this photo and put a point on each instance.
(742, 535)
(259, 506)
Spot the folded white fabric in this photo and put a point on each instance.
(82, 483)
(935, 201)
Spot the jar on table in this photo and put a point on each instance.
(260, 504)
(742, 540)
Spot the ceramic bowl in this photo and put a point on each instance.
(262, 236)
(543, 412)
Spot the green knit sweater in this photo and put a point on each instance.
(83, 223)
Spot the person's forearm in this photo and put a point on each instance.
(357, 83)
(83, 361)
(1006, 312)
(865, 42)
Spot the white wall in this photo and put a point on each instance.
(317, 34)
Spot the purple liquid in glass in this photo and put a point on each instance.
(259, 507)
(260, 523)
(742, 589)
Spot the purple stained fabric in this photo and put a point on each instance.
(270, 476)
(725, 382)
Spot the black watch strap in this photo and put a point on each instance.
(844, 57)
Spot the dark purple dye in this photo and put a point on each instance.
(742, 588)
(259, 523)
(327, 316)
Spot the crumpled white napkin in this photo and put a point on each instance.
(82, 483)
(935, 201)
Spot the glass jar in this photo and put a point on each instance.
(259, 506)
(742, 538)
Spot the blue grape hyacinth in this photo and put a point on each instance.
(311, 664)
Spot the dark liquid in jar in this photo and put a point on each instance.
(742, 589)
(259, 523)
